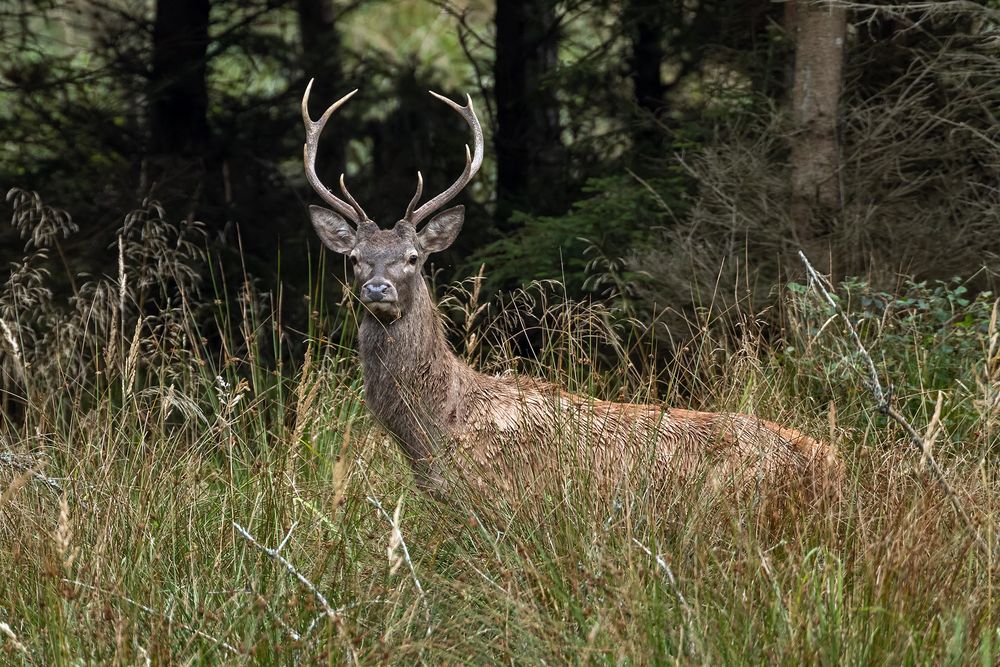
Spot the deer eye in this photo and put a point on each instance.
(354, 260)
(412, 260)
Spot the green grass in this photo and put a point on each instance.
(135, 557)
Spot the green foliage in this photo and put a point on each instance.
(931, 336)
(584, 248)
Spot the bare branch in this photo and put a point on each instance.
(9, 458)
(685, 607)
(331, 613)
(884, 404)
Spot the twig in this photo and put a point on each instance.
(331, 613)
(288, 536)
(666, 568)
(463, 29)
(12, 460)
(662, 563)
(289, 630)
(883, 401)
(461, 15)
(149, 610)
(328, 611)
(406, 556)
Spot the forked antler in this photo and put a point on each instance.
(473, 160)
(352, 211)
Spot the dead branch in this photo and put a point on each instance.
(275, 554)
(397, 535)
(883, 401)
(685, 607)
(12, 460)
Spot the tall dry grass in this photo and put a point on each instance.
(166, 499)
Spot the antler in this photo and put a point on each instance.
(473, 160)
(352, 211)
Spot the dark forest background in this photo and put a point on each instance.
(657, 154)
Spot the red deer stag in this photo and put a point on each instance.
(453, 422)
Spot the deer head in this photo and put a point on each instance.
(387, 262)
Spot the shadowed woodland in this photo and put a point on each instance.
(187, 469)
(652, 152)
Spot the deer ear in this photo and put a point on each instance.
(334, 231)
(442, 230)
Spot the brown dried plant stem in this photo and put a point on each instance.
(398, 534)
(883, 401)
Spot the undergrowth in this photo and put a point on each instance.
(150, 417)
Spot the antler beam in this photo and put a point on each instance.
(314, 129)
(473, 160)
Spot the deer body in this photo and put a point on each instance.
(512, 432)
(453, 422)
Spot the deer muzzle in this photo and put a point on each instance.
(378, 291)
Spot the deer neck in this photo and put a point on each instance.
(411, 375)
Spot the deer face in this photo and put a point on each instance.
(387, 263)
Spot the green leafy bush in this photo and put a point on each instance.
(930, 336)
(615, 217)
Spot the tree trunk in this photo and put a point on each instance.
(178, 95)
(815, 156)
(178, 105)
(530, 155)
(645, 25)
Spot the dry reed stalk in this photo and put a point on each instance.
(396, 540)
(685, 607)
(305, 397)
(64, 537)
(118, 317)
(15, 642)
(934, 429)
(339, 479)
(15, 349)
(14, 487)
(989, 383)
(132, 361)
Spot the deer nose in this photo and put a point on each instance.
(378, 290)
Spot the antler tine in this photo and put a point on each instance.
(473, 161)
(416, 197)
(314, 128)
(354, 202)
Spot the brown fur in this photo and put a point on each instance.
(454, 422)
